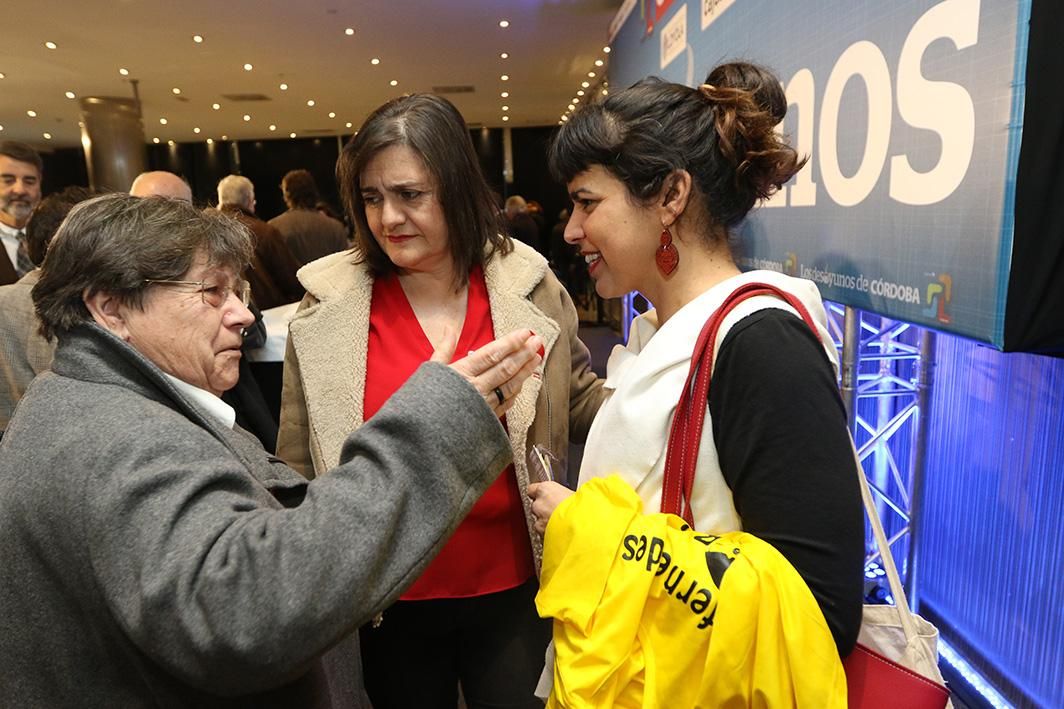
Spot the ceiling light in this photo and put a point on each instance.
(225, 137)
(310, 103)
(506, 118)
(124, 72)
(210, 141)
(565, 118)
(394, 82)
(576, 100)
(598, 62)
(155, 140)
(273, 127)
(177, 91)
(505, 77)
(348, 124)
(31, 113)
(332, 114)
(504, 23)
(291, 135)
(171, 143)
(506, 108)
(248, 67)
(504, 55)
(605, 92)
(580, 92)
(349, 31)
(2, 75)
(50, 45)
(162, 121)
(585, 84)
(196, 131)
(571, 107)
(246, 118)
(505, 94)
(1, 127)
(591, 74)
(374, 61)
(216, 106)
(198, 39)
(70, 94)
(47, 136)
(606, 50)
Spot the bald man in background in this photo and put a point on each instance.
(160, 183)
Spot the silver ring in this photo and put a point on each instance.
(498, 393)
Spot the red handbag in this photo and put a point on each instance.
(873, 680)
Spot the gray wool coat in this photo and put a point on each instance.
(150, 556)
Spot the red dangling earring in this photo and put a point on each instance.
(666, 257)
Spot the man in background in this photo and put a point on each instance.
(522, 226)
(272, 273)
(21, 169)
(160, 183)
(24, 353)
(307, 232)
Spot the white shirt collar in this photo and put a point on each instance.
(214, 405)
(9, 237)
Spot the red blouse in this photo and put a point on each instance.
(490, 550)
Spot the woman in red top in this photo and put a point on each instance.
(431, 262)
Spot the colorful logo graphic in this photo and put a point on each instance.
(939, 295)
(790, 263)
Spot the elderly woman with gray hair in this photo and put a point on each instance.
(152, 554)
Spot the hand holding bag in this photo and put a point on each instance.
(895, 661)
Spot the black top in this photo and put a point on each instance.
(780, 431)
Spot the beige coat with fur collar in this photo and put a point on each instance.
(325, 364)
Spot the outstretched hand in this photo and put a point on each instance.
(498, 369)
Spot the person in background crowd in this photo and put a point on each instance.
(685, 166)
(21, 170)
(307, 232)
(272, 272)
(521, 226)
(431, 260)
(160, 556)
(24, 353)
(160, 183)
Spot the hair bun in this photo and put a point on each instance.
(757, 80)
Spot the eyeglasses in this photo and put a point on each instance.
(213, 294)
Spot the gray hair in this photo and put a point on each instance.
(113, 243)
(236, 189)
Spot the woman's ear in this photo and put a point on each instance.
(675, 194)
(107, 311)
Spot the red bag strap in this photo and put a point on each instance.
(685, 436)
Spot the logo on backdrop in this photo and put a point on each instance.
(939, 295)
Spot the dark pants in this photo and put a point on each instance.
(493, 645)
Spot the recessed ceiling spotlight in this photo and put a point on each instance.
(506, 108)
(606, 50)
(591, 74)
(349, 31)
(1, 127)
(291, 135)
(332, 114)
(171, 143)
(70, 94)
(505, 94)
(196, 131)
(155, 140)
(248, 67)
(506, 118)
(504, 23)
(284, 87)
(585, 84)
(273, 127)
(576, 100)
(374, 61)
(580, 92)
(565, 118)
(348, 124)
(210, 141)
(310, 103)
(47, 136)
(246, 118)
(50, 45)
(598, 62)
(504, 55)
(198, 39)
(216, 106)
(605, 92)
(394, 82)
(3, 75)
(571, 106)
(225, 137)
(31, 113)
(162, 121)
(504, 77)
(124, 72)
(177, 91)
